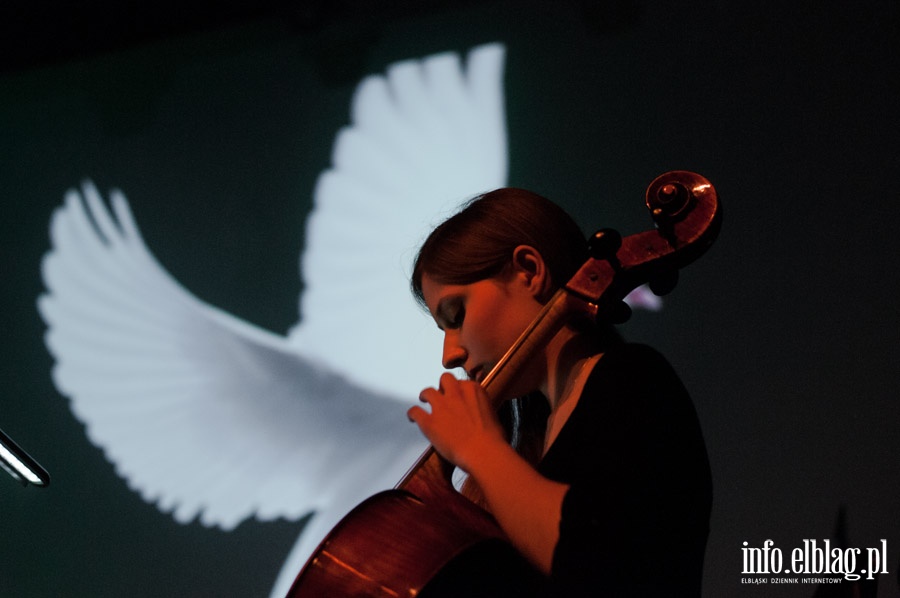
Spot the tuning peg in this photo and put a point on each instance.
(604, 244)
(620, 313)
(663, 282)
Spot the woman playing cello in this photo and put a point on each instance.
(607, 491)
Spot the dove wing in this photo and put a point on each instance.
(202, 413)
(423, 138)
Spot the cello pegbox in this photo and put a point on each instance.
(604, 244)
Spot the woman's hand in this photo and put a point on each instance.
(462, 424)
(464, 428)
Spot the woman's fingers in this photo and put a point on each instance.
(448, 383)
(456, 419)
(415, 414)
(448, 386)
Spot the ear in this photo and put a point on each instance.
(529, 266)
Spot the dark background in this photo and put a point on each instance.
(216, 119)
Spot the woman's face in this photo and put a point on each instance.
(481, 320)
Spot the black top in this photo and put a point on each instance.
(636, 517)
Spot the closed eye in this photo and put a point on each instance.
(456, 320)
(450, 314)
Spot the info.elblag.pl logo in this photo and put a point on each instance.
(810, 562)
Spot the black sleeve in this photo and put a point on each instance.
(636, 517)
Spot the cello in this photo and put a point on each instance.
(370, 553)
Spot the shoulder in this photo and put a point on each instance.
(635, 363)
(635, 384)
(627, 352)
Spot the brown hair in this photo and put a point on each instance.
(478, 241)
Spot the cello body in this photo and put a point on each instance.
(395, 542)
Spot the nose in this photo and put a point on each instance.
(454, 354)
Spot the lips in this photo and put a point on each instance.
(476, 374)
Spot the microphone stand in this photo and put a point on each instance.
(19, 464)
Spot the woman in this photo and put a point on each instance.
(616, 500)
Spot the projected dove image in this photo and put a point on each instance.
(212, 418)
